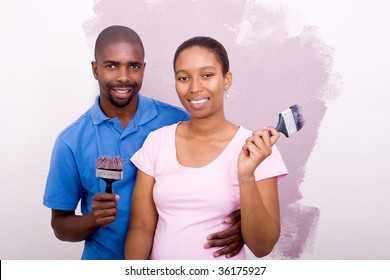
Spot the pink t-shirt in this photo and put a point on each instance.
(193, 202)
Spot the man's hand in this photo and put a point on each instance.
(230, 239)
(68, 226)
(104, 208)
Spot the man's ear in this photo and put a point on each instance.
(94, 69)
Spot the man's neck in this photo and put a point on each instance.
(124, 114)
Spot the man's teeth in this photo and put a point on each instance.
(121, 90)
(200, 101)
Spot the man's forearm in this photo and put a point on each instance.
(74, 228)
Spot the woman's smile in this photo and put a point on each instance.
(198, 103)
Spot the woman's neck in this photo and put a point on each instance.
(206, 129)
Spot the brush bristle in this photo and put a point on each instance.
(298, 118)
(290, 121)
(109, 163)
(109, 168)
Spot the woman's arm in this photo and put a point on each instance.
(143, 219)
(260, 218)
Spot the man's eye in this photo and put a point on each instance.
(135, 66)
(110, 66)
(208, 75)
(182, 79)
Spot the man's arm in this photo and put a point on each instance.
(68, 226)
(230, 239)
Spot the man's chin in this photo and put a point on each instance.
(120, 103)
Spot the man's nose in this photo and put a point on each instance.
(123, 74)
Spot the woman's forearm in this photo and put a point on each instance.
(139, 242)
(260, 230)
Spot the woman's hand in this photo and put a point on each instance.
(255, 150)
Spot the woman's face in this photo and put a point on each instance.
(200, 83)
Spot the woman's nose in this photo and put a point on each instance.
(196, 86)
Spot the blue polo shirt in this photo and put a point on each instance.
(72, 174)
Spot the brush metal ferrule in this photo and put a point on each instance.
(109, 174)
(289, 121)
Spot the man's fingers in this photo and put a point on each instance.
(231, 231)
(104, 208)
(105, 212)
(103, 222)
(222, 242)
(105, 217)
(105, 196)
(234, 217)
(101, 201)
(102, 205)
(230, 251)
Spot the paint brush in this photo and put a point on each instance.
(290, 121)
(110, 169)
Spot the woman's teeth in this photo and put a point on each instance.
(200, 101)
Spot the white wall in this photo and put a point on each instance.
(46, 83)
(350, 164)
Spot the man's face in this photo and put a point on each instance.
(119, 70)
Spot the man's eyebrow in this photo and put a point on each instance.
(117, 62)
(135, 62)
(110, 62)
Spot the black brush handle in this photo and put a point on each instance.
(109, 186)
(281, 126)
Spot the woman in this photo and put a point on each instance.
(191, 174)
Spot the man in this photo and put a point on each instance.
(116, 125)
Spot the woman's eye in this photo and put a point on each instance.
(208, 75)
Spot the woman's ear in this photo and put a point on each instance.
(228, 80)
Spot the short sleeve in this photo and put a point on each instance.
(145, 158)
(63, 186)
(273, 166)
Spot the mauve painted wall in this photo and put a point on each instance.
(272, 70)
(330, 58)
